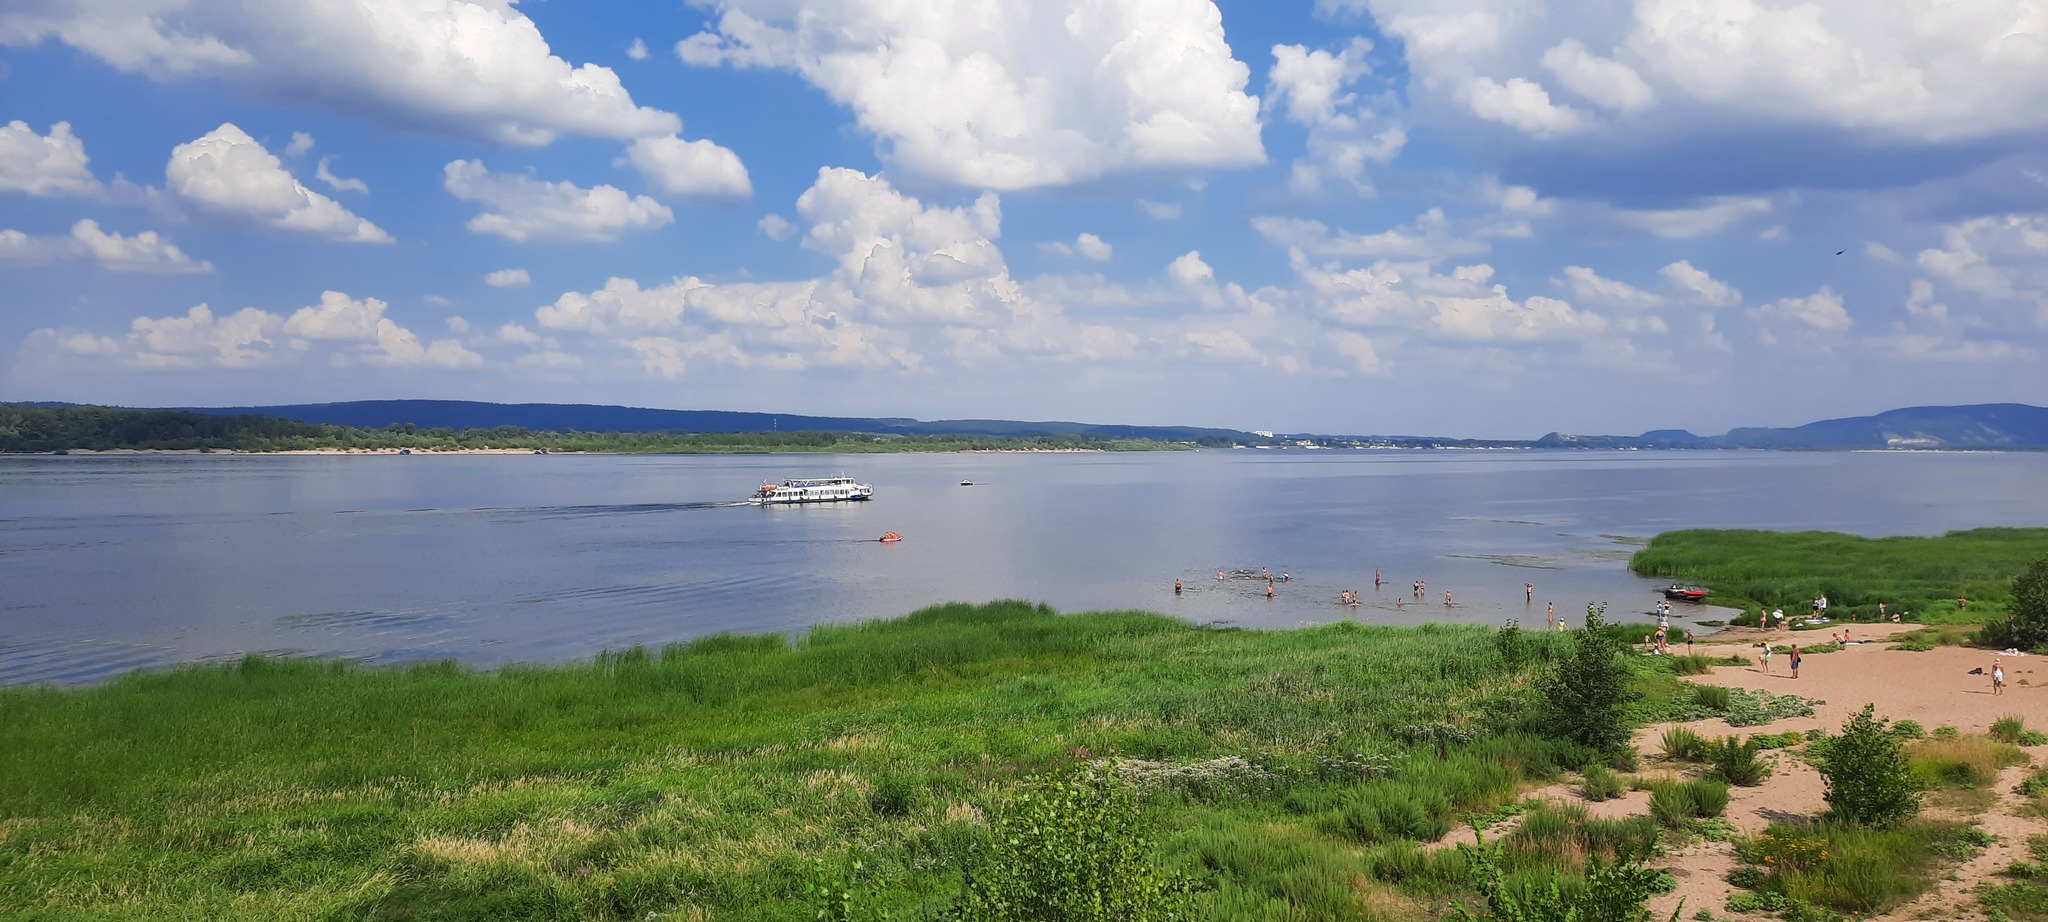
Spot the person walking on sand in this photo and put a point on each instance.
(1794, 660)
(1688, 641)
(1765, 660)
(1997, 676)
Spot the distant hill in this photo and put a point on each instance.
(1998, 426)
(1988, 425)
(578, 417)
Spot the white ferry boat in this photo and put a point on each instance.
(813, 490)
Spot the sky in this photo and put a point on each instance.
(1490, 218)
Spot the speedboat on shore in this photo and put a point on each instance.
(840, 489)
(1679, 593)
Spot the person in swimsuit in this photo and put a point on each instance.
(1794, 660)
(1528, 593)
(1176, 587)
(1997, 677)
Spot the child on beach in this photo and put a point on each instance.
(1997, 677)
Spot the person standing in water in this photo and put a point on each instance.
(1176, 587)
(1269, 590)
(1550, 614)
(1528, 593)
(1375, 580)
(1447, 598)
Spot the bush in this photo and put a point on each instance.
(1868, 781)
(1683, 744)
(1601, 784)
(1070, 848)
(1676, 803)
(1712, 697)
(2026, 624)
(1587, 698)
(1945, 732)
(2011, 729)
(1737, 761)
(1613, 891)
(1909, 730)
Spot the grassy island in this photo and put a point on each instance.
(1921, 577)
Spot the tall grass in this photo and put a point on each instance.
(1852, 869)
(1920, 575)
(1970, 761)
(718, 774)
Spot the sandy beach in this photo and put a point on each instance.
(1934, 688)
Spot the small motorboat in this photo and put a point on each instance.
(967, 483)
(1679, 593)
(889, 537)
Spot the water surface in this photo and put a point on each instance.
(114, 562)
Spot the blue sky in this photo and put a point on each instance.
(1490, 218)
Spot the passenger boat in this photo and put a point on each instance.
(812, 490)
(889, 537)
(1685, 593)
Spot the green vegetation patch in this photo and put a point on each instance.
(25, 428)
(1920, 576)
(857, 771)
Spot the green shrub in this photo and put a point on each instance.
(2008, 729)
(2026, 624)
(1868, 781)
(1710, 799)
(1587, 697)
(1601, 783)
(1069, 848)
(1737, 761)
(1909, 730)
(1676, 803)
(1945, 732)
(1613, 891)
(1712, 697)
(1683, 744)
(1671, 804)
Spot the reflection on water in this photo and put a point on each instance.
(115, 563)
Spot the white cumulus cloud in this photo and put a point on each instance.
(524, 209)
(1591, 286)
(1010, 94)
(1697, 221)
(146, 252)
(508, 278)
(1086, 246)
(1698, 285)
(52, 164)
(229, 174)
(686, 169)
(466, 67)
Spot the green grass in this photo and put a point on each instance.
(1921, 576)
(716, 779)
(1966, 761)
(1852, 869)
